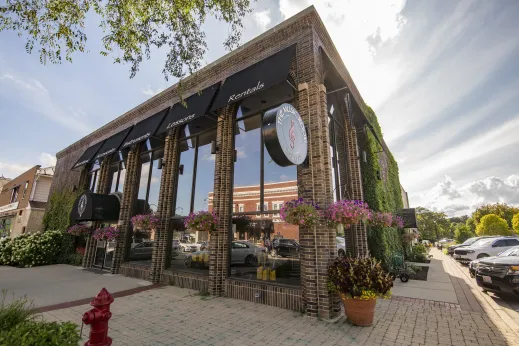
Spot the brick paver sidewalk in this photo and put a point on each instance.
(174, 316)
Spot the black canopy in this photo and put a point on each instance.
(409, 217)
(88, 155)
(112, 144)
(95, 207)
(260, 76)
(144, 129)
(197, 106)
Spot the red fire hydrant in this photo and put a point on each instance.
(98, 318)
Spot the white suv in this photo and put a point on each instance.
(485, 248)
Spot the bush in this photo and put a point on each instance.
(20, 310)
(6, 251)
(515, 223)
(417, 253)
(462, 233)
(492, 224)
(41, 333)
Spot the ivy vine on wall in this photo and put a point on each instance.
(381, 185)
(57, 215)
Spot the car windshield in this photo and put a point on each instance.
(483, 242)
(470, 241)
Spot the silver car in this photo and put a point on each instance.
(242, 252)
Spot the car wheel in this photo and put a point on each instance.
(274, 253)
(251, 261)
(482, 255)
(404, 277)
(341, 253)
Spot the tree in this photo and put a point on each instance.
(515, 223)
(462, 232)
(432, 225)
(132, 28)
(459, 219)
(502, 210)
(492, 224)
(471, 224)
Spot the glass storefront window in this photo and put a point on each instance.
(185, 177)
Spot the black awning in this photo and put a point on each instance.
(112, 144)
(88, 155)
(144, 129)
(95, 207)
(197, 106)
(409, 217)
(260, 76)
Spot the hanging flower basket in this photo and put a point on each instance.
(79, 230)
(202, 221)
(379, 219)
(347, 212)
(145, 222)
(397, 222)
(106, 233)
(359, 282)
(300, 212)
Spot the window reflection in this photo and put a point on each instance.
(185, 177)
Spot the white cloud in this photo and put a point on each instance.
(262, 18)
(30, 93)
(151, 92)
(12, 170)
(47, 160)
(455, 200)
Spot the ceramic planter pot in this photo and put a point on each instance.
(359, 312)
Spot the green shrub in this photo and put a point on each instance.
(18, 311)
(41, 333)
(6, 251)
(418, 253)
(37, 249)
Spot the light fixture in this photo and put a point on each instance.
(214, 147)
(181, 169)
(160, 162)
(235, 155)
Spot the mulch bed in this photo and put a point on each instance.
(419, 274)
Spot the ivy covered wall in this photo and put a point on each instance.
(381, 185)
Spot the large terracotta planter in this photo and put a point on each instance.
(359, 312)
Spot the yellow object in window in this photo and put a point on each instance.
(259, 273)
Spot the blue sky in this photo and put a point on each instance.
(442, 77)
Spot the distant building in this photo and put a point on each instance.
(3, 181)
(23, 200)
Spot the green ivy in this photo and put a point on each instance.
(381, 194)
(57, 215)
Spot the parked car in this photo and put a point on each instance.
(242, 252)
(499, 274)
(188, 247)
(485, 248)
(141, 251)
(468, 242)
(341, 246)
(473, 266)
(284, 248)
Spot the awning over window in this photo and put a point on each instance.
(88, 155)
(112, 144)
(260, 76)
(197, 106)
(409, 217)
(144, 129)
(95, 207)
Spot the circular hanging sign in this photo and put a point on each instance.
(82, 205)
(284, 135)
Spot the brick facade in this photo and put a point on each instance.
(314, 180)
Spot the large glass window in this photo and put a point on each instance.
(117, 174)
(93, 176)
(262, 246)
(190, 249)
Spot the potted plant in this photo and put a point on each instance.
(300, 212)
(359, 282)
(145, 222)
(202, 221)
(347, 213)
(380, 219)
(106, 233)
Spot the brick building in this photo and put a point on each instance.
(23, 201)
(172, 159)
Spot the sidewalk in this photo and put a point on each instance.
(175, 316)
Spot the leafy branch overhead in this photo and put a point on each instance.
(131, 27)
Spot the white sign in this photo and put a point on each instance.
(8, 207)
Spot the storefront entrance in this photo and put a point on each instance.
(104, 253)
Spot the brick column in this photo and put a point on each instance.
(168, 184)
(102, 186)
(223, 179)
(356, 236)
(131, 188)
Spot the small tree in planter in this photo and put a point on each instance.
(359, 282)
(347, 213)
(106, 233)
(300, 212)
(202, 221)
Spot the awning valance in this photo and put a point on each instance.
(88, 155)
(260, 76)
(112, 144)
(197, 106)
(95, 207)
(144, 129)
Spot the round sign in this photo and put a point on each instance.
(284, 135)
(82, 205)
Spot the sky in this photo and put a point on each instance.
(442, 77)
